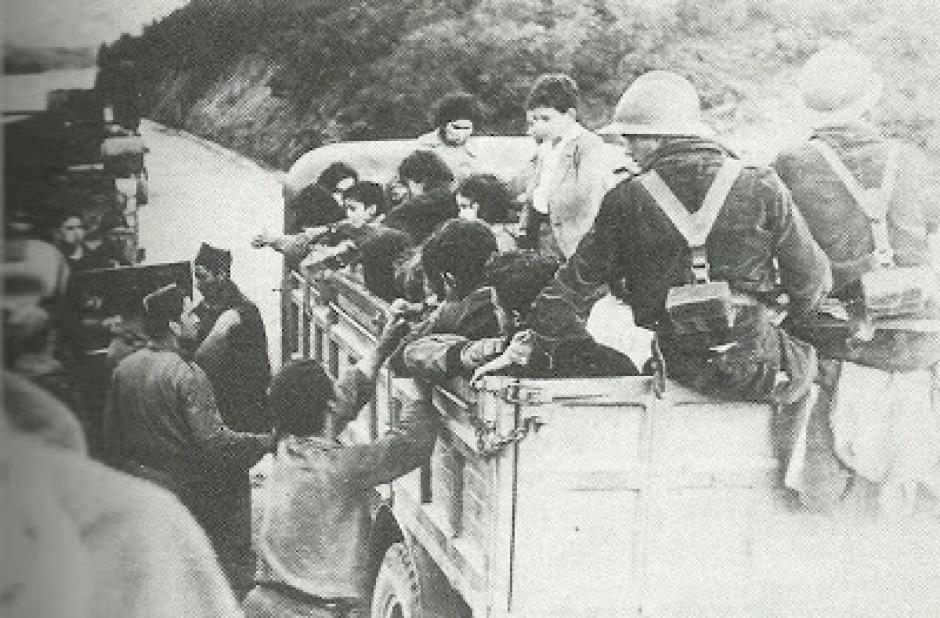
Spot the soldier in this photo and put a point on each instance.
(873, 204)
(233, 347)
(693, 241)
(163, 425)
(233, 352)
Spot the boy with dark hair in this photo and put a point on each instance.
(365, 204)
(456, 116)
(423, 171)
(515, 278)
(430, 201)
(313, 543)
(454, 257)
(381, 252)
(554, 90)
(574, 168)
(484, 197)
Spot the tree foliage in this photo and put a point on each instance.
(309, 71)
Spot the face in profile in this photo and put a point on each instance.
(72, 231)
(357, 213)
(208, 283)
(547, 123)
(457, 132)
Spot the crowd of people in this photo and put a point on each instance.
(811, 284)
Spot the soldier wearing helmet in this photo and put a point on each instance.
(873, 205)
(697, 242)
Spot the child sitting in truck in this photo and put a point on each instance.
(313, 544)
(454, 259)
(515, 278)
(364, 205)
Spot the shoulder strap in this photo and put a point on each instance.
(874, 202)
(694, 227)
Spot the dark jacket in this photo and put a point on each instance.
(757, 237)
(842, 230)
(236, 363)
(475, 317)
(162, 414)
(419, 216)
(164, 425)
(438, 358)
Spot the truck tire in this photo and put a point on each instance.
(407, 588)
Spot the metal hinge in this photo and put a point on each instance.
(518, 394)
(490, 443)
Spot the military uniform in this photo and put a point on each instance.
(634, 246)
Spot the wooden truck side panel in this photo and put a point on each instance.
(596, 497)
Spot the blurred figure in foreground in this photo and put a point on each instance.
(85, 541)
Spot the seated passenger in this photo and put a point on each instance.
(430, 199)
(702, 272)
(484, 197)
(872, 204)
(516, 277)
(314, 539)
(317, 205)
(454, 260)
(381, 251)
(456, 116)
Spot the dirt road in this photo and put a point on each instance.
(201, 192)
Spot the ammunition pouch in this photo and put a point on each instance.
(896, 291)
(701, 308)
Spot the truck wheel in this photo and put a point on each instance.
(406, 588)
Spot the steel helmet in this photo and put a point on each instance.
(838, 81)
(658, 103)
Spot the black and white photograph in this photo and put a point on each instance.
(470, 309)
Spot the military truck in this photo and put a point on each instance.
(610, 497)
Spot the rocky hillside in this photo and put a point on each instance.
(274, 78)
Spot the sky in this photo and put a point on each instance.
(77, 22)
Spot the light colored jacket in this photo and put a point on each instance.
(588, 168)
(315, 527)
(85, 541)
